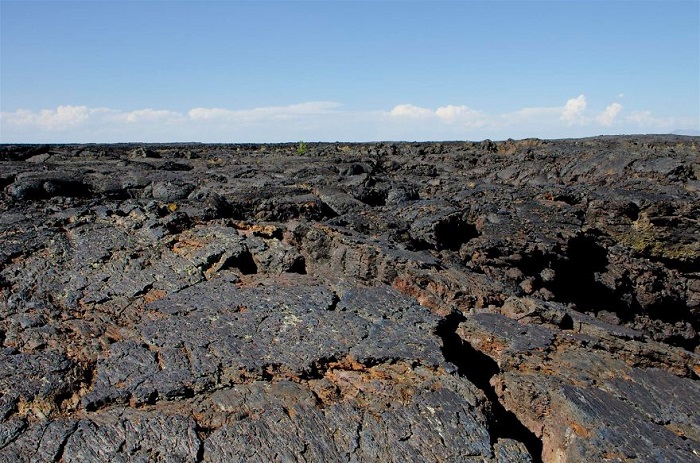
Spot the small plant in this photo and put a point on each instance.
(302, 148)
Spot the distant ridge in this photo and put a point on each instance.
(688, 132)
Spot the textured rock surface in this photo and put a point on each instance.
(518, 301)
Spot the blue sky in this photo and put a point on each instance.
(237, 71)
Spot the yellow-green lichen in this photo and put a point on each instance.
(644, 238)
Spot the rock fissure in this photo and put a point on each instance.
(58, 457)
(478, 368)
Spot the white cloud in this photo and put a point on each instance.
(269, 112)
(151, 115)
(573, 118)
(60, 118)
(208, 113)
(573, 110)
(313, 107)
(409, 110)
(608, 116)
(328, 121)
(451, 113)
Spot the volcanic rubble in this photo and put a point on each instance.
(515, 301)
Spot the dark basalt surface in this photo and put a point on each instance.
(517, 301)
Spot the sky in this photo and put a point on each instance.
(362, 70)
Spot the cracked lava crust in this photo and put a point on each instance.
(517, 301)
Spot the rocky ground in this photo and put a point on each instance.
(518, 301)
